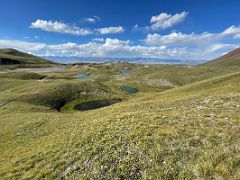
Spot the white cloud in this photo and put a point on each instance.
(221, 48)
(90, 20)
(164, 20)
(59, 27)
(205, 45)
(119, 49)
(22, 45)
(116, 42)
(55, 26)
(234, 31)
(93, 19)
(111, 30)
(110, 48)
(179, 39)
(137, 28)
(98, 39)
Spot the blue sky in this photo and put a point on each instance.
(165, 29)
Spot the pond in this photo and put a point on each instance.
(130, 90)
(90, 105)
(85, 76)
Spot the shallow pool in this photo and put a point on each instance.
(85, 76)
(90, 105)
(130, 90)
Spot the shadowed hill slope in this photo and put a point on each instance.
(13, 57)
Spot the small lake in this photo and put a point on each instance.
(130, 90)
(85, 76)
(90, 105)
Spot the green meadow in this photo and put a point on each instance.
(182, 123)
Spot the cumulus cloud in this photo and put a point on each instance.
(90, 20)
(98, 39)
(234, 31)
(55, 26)
(116, 42)
(111, 30)
(110, 48)
(93, 19)
(60, 27)
(164, 20)
(204, 45)
(222, 48)
(195, 40)
(117, 48)
(180, 39)
(22, 45)
(137, 28)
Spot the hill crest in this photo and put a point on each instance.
(10, 56)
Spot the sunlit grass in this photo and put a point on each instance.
(189, 132)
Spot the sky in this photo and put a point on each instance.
(189, 30)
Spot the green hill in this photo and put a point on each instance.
(229, 59)
(15, 57)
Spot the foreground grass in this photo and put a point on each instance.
(190, 132)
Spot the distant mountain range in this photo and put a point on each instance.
(73, 59)
(12, 56)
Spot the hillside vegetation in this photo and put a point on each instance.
(21, 59)
(183, 123)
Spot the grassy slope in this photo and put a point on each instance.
(145, 77)
(186, 132)
(22, 59)
(22, 75)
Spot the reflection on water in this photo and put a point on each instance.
(95, 104)
(84, 76)
(130, 90)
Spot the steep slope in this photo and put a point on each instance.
(13, 57)
(190, 132)
(230, 59)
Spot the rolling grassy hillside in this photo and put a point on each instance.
(22, 75)
(21, 59)
(182, 124)
(186, 132)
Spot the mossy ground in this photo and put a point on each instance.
(187, 132)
